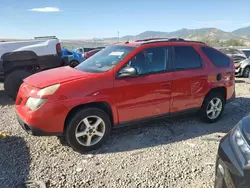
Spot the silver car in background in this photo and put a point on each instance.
(246, 52)
(241, 61)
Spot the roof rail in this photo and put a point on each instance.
(149, 39)
(171, 40)
(176, 39)
(46, 37)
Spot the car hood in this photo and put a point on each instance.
(55, 76)
(245, 62)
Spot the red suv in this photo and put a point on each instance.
(125, 84)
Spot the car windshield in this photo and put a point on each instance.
(247, 52)
(105, 59)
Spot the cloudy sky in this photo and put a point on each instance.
(81, 19)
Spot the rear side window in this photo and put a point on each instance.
(217, 58)
(186, 57)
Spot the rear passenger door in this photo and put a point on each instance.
(190, 79)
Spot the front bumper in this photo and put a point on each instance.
(238, 71)
(229, 172)
(34, 130)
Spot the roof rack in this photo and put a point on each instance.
(148, 41)
(46, 37)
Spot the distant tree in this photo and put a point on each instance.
(234, 42)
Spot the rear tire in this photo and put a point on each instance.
(87, 129)
(210, 113)
(13, 81)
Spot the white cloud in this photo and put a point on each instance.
(45, 9)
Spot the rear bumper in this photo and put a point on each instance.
(34, 130)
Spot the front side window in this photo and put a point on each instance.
(105, 59)
(151, 60)
(186, 57)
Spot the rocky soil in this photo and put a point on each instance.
(169, 153)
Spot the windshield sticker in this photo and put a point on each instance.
(116, 53)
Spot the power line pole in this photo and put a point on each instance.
(118, 36)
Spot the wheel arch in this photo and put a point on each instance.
(73, 60)
(18, 60)
(221, 89)
(106, 107)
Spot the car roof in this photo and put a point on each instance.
(138, 43)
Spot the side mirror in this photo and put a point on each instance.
(127, 72)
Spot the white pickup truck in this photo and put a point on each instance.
(20, 59)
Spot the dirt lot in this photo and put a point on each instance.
(171, 153)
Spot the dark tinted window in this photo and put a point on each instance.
(217, 58)
(151, 60)
(186, 57)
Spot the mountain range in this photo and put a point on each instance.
(192, 34)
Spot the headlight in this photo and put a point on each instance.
(48, 90)
(35, 103)
(240, 144)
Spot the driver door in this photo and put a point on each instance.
(149, 93)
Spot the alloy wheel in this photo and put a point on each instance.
(90, 131)
(214, 108)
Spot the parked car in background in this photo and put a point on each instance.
(72, 58)
(79, 50)
(246, 52)
(242, 67)
(126, 84)
(233, 159)
(232, 51)
(241, 62)
(91, 52)
(21, 59)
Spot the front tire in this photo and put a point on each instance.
(212, 107)
(13, 81)
(73, 63)
(246, 72)
(87, 129)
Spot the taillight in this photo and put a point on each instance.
(58, 49)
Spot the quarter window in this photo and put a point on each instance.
(217, 58)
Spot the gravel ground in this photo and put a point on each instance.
(170, 153)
